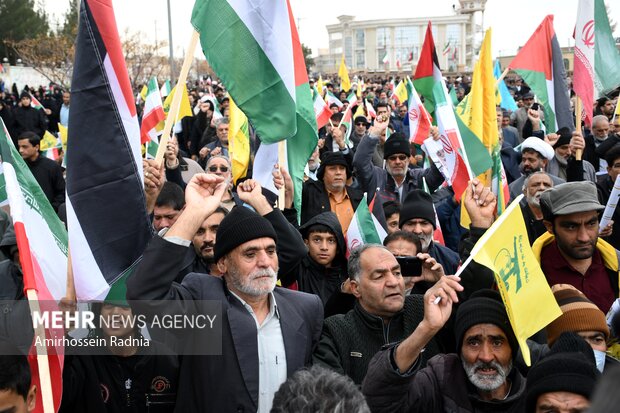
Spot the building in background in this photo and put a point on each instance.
(394, 45)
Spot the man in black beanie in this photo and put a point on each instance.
(479, 379)
(397, 179)
(564, 380)
(330, 191)
(417, 215)
(267, 333)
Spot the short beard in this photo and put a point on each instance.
(534, 199)
(483, 382)
(247, 284)
(426, 240)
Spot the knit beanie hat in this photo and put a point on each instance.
(578, 314)
(239, 226)
(417, 204)
(397, 143)
(568, 372)
(332, 158)
(483, 307)
(564, 139)
(25, 94)
(569, 342)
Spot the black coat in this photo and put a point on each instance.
(315, 199)
(49, 176)
(227, 382)
(99, 384)
(28, 119)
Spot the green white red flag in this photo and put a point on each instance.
(152, 115)
(330, 98)
(321, 109)
(259, 71)
(419, 119)
(364, 228)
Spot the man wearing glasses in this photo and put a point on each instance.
(396, 180)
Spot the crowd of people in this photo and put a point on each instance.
(309, 324)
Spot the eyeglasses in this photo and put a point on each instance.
(214, 168)
(399, 157)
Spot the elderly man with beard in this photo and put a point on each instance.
(564, 165)
(480, 378)
(267, 333)
(535, 156)
(533, 186)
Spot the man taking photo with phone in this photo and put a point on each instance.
(382, 314)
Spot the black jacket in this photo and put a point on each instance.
(441, 386)
(49, 176)
(28, 119)
(312, 277)
(349, 341)
(144, 383)
(315, 199)
(227, 382)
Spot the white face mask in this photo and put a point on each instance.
(600, 359)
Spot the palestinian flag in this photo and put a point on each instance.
(151, 116)
(540, 64)
(106, 207)
(259, 71)
(427, 73)
(419, 119)
(321, 110)
(330, 98)
(34, 102)
(42, 242)
(364, 228)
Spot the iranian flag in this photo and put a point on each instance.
(330, 98)
(165, 89)
(364, 228)
(321, 110)
(347, 118)
(109, 226)
(152, 115)
(42, 242)
(419, 119)
(370, 109)
(386, 58)
(606, 56)
(583, 77)
(540, 64)
(259, 71)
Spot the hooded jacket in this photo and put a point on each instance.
(312, 277)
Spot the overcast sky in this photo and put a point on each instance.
(512, 21)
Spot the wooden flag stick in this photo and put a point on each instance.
(176, 100)
(70, 294)
(281, 160)
(578, 123)
(503, 75)
(45, 380)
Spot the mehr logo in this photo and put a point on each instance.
(509, 266)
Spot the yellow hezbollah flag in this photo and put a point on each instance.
(184, 110)
(239, 142)
(505, 249)
(345, 82)
(401, 92)
(320, 86)
(143, 92)
(62, 131)
(48, 141)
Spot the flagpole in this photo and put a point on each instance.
(503, 75)
(176, 100)
(45, 379)
(578, 123)
(281, 157)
